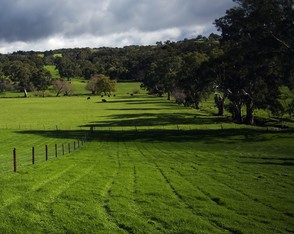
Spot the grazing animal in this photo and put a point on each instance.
(104, 100)
(132, 94)
(88, 98)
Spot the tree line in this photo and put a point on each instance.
(246, 67)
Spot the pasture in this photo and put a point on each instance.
(150, 166)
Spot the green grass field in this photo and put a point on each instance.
(52, 69)
(150, 166)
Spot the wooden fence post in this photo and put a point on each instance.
(33, 155)
(56, 150)
(46, 152)
(62, 149)
(69, 148)
(14, 160)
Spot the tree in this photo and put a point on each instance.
(67, 68)
(41, 79)
(27, 76)
(101, 84)
(62, 86)
(88, 69)
(5, 83)
(255, 38)
(191, 80)
(20, 73)
(163, 70)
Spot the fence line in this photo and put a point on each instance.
(77, 144)
(72, 146)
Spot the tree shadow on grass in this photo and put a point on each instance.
(165, 127)
(155, 119)
(206, 136)
(271, 163)
(136, 102)
(138, 109)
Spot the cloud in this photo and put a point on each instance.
(54, 23)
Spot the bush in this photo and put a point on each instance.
(136, 91)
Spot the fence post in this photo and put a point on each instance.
(14, 160)
(56, 150)
(33, 155)
(46, 152)
(69, 148)
(62, 149)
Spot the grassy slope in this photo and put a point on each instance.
(52, 70)
(150, 167)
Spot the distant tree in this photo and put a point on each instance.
(20, 73)
(48, 59)
(101, 84)
(87, 68)
(62, 86)
(27, 76)
(5, 84)
(194, 85)
(41, 79)
(67, 68)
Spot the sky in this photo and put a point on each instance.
(41, 25)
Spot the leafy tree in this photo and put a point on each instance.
(20, 73)
(27, 76)
(41, 79)
(5, 83)
(101, 84)
(163, 70)
(255, 40)
(67, 68)
(87, 68)
(190, 79)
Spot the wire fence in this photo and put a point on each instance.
(23, 155)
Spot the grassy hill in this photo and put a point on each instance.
(52, 69)
(150, 166)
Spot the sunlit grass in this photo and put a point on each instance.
(150, 166)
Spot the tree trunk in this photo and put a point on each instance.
(25, 93)
(196, 105)
(168, 95)
(220, 102)
(249, 113)
(237, 113)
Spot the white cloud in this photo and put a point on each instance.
(131, 37)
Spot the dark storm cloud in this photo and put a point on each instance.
(29, 20)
